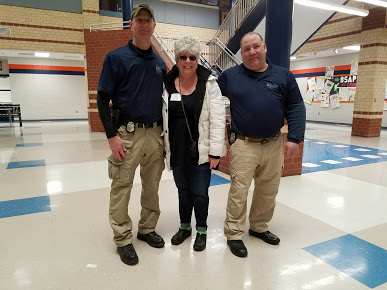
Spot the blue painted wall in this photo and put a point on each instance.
(180, 14)
(74, 6)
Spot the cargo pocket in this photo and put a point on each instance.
(114, 167)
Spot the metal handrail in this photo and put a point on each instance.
(109, 26)
(164, 46)
(234, 19)
(221, 58)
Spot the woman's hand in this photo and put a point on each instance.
(213, 162)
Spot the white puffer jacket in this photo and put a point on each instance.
(211, 124)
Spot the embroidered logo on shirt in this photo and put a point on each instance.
(159, 70)
(272, 86)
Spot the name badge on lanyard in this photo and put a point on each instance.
(176, 97)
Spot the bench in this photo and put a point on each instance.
(10, 111)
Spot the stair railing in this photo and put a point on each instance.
(221, 58)
(234, 19)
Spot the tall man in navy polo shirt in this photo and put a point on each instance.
(261, 96)
(132, 79)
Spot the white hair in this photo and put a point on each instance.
(187, 44)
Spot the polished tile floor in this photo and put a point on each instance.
(54, 195)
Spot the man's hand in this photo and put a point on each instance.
(117, 147)
(213, 162)
(290, 149)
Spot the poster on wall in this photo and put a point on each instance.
(329, 72)
(328, 86)
(309, 97)
(325, 100)
(344, 94)
(320, 83)
(312, 84)
(354, 68)
(335, 102)
(351, 95)
(343, 81)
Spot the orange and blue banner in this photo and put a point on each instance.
(46, 69)
(320, 71)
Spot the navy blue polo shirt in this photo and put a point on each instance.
(133, 79)
(260, 101)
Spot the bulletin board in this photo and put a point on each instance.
(330, 90)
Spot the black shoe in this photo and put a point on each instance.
(200, 242)
(238, 248)
(180, 236)
(153, 239)
(128, 254)
(267, 237)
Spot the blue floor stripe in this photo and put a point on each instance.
(355, 257)
(316, 153)
(218, 180)
(24, 206)
(29, 163)
(29, 144)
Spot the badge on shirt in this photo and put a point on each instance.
(176, 97)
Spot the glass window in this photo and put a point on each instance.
(110, 5)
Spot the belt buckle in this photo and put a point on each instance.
(264, 141)
(130, 127)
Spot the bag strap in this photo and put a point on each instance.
(185, 116)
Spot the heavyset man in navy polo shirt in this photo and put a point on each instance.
(261, 96)
(132, 79)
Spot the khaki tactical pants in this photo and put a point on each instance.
(144, 147)
(264, 164)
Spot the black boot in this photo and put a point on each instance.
(128, 254)
(200, 242)
(180, 236)
(238, 248)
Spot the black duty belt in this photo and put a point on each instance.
(144, 125)
(257, 140)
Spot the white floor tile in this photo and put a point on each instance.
(331, 161)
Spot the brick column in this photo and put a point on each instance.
(372, 75)
(98, 44)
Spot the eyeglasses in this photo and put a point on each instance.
(184, 57)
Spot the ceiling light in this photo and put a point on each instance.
(374, 2)
(352, 47)
(42, 54)
(333, 7)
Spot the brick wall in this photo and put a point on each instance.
(37, 29)
(98, 44)
(366, 127)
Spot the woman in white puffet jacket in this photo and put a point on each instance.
(194, 135)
